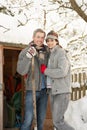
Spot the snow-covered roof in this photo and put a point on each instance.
(10, 32)
(11, 44)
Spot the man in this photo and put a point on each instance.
(40, 52)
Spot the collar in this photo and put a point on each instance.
(54, 48)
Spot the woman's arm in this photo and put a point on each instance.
(62, 69)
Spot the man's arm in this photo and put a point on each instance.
(24, 63)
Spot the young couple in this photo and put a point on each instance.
(51, 71)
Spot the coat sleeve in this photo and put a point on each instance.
(24, 63)
(62, 68)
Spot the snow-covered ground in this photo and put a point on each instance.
(76, 114)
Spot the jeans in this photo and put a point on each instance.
(41, 104)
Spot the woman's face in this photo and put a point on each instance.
(51, 43)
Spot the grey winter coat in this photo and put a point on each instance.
(59, 71)
(24, 65)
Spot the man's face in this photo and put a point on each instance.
(39, 39)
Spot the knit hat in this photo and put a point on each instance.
(51, 37)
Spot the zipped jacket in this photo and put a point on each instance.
(59, 71)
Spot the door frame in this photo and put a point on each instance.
(2, 47)
(1, 87)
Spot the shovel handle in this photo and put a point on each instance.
(34, 96)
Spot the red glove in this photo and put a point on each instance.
(43, 68)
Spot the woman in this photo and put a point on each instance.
(58, 80)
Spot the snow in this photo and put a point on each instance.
(15, 34)
(7, 21)
(76, 114)
(79, 2)
(22, 34)
(75, 85)
(83, 6)
(68, 27)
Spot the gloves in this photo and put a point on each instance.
(31, 52)
(43, 68)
